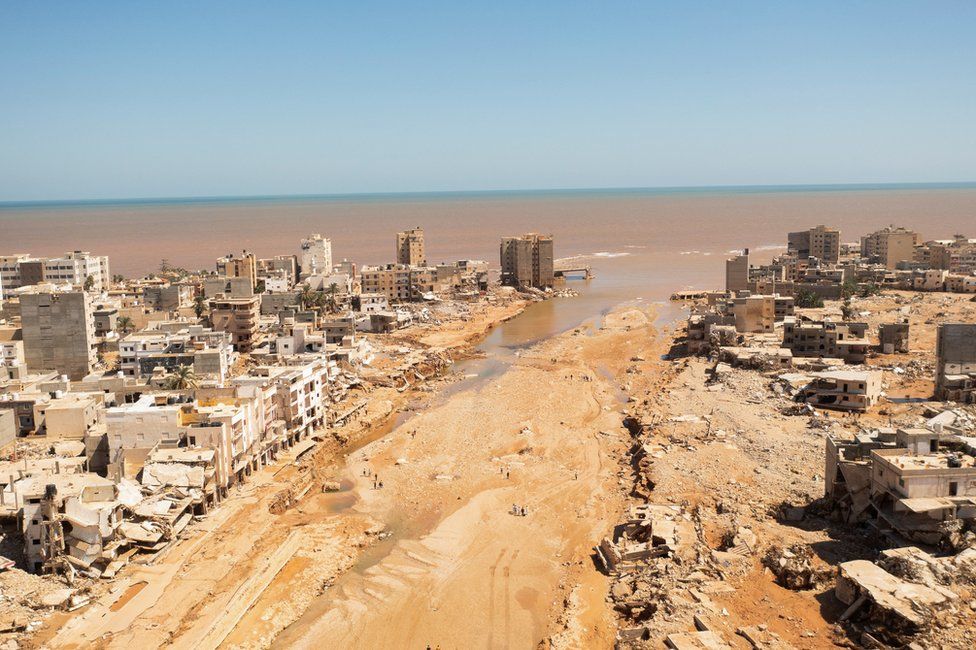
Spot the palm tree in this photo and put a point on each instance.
(181, 378)
(199, 306)
(307, 297)
(124, 325)
(331, 303)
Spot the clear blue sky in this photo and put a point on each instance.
(137, 99)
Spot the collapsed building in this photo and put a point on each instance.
(843, 390)
(69, 519)
(917, 485)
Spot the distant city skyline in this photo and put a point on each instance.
(129, 100)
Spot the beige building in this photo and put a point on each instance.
(527, 261)
(8, 427)
(826, 339)
(168, 297)
(245, 266)
(820, 242)
(844, 390)
(398, 282)
(754, 313)
(917, 482)
(889, 246)
(58, 331)
(239, 317)
(69, 514)
(410, 247)
(71, 417)
(737, 272)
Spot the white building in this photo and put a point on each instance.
(209, 352)
(74, 268)
(373, 303)
(316, 255)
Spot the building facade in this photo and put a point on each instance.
(410, 247)
(59, 332)
(316, 255)
(820, 242)
(75, 268)
(889, 246)
(527, 261)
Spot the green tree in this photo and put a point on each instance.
(124, 325)
(848, 289)
(868, 290)
(118, 279)
(847, 310)
(199, 305)
(89, 282)
(181, 378)
(808, 298)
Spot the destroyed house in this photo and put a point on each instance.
(192, 470)
(69, 518)
(893, 337)
(701, 326)
(918, 494)
(917, 483)
(843, 390)
(828, 339)
(754, 313)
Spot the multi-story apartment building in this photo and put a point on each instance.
(527, 261)
(737, 272)
(956, 255)
(889, 246)
(283, 267)
(58, 330)
(820, 242)
(209, 352)
(316, 255)
(410, 247)
(245, 266)
(239, 317)
(398, 282)
(74, 268)
(826, 339)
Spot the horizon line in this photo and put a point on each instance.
(677, 189)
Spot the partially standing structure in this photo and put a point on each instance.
(955, 351)
(527, 261)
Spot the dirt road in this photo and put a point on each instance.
(461, 570)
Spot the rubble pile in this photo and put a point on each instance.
(795, 567)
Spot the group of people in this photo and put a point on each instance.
(519, 511)
(377, 483)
